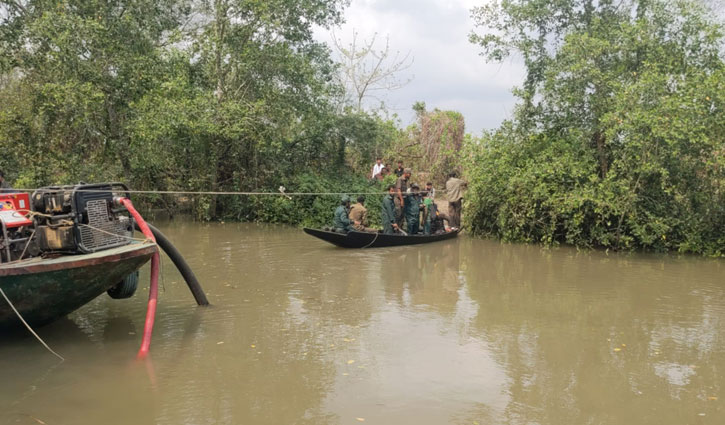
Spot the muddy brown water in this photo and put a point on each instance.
(468, 331)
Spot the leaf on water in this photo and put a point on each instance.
(712, 398)
(350, 361)
(360, 419)
(38, 420)
(220, 343)
(253, 346)
(617, 349)
(624, 345)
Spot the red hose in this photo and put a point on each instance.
(153, 288)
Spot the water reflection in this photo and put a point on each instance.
(455, 332)
(591, 338)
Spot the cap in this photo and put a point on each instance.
(408, 170)
(345, 198)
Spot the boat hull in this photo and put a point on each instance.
(44, 290)
(375, 240)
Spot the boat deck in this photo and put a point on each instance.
(40, 264)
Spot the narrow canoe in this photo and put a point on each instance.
(376, 240)
(44, 290)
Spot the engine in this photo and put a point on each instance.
(76, 219)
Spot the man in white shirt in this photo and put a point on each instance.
(377, 169)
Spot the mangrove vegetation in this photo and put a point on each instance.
(617, 140)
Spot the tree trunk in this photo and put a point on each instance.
(600, 142)
(214, 181)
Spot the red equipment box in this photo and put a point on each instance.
(13, 208)
(15, 201)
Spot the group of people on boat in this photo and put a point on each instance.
(406, 209)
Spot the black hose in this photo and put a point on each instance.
(180, 264)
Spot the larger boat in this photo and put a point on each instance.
(62, 247)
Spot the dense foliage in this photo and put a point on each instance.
(220, 95)
(619, 140)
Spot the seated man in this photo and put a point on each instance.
(341, 223)
(435, 220)
(359, 215)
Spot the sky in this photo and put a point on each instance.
(447, 71)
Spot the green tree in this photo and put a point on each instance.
(71, 70)
(618, 137)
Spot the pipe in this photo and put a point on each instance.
(180, 264)
(153, 287)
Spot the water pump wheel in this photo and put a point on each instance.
(125, 288)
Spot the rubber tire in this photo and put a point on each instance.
(125, 288)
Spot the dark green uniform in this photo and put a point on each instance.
(412, 213)
(341, 222)
(388, 214)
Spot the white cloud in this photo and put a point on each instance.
(447, 71)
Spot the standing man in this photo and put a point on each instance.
(359, 215)
(412, 210)
(430, 190)
(427, 210)
(388, 217)
(401, 187)
(378, 169)
(341, 223)
(400, 170)
(454, 189)
(4, 185)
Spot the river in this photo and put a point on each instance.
(467, 331)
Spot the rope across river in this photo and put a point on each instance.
(189, 192)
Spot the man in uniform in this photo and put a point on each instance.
(454, 190)
(401, 189)
(359, 215)
(427, 207)
(412, 210)
(388, 217)
(341, 223)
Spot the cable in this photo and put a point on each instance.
(181, 192)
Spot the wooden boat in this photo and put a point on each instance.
(45, 289)
(376, 240)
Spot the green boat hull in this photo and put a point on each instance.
(44, 290)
